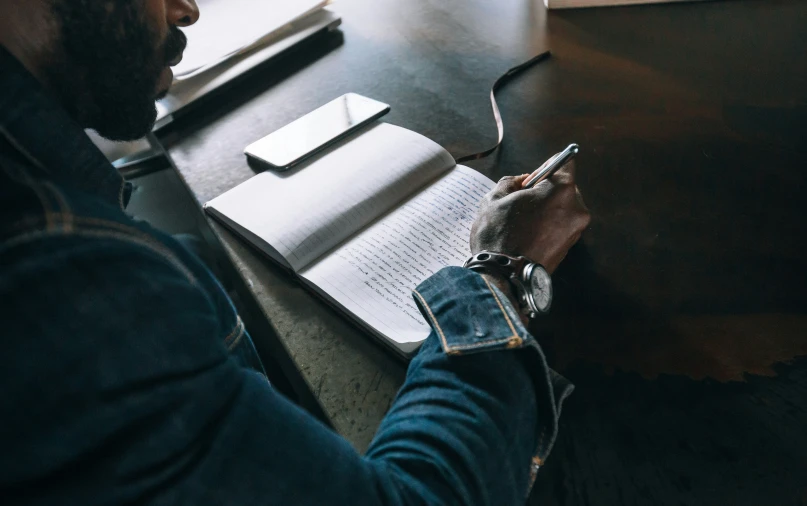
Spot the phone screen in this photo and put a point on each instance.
(290, 144)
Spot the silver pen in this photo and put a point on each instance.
(551, 166)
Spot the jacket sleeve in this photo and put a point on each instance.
(126, 393)
(475, 417)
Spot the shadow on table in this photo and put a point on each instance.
(595, 322)
(648, 422)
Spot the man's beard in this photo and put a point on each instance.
(108, 65)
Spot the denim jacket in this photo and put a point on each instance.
(129, 378)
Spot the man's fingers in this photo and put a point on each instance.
(507, 185)
(580, 200)
(565, 174)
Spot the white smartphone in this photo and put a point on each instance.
(303, 137)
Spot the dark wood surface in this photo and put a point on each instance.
(680, 314)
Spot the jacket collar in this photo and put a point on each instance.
(56, 146)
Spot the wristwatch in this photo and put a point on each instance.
(532, 284)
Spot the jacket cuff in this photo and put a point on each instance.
(469, 315)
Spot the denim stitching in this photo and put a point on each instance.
(50, 221)
(453, 349)
(24, 152)
(114, 225)
(32, 221)
(535, 466)
(483, 344)
(238, 339)
(35, 161)
(434, 320)
(128, 230)
(66, 213)
(36, 222)
(157, 248)
(506, 317)
(238, 332)
(24, 225)
(21, 176)
(541, 441)
(121, 228)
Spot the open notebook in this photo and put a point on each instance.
(363, 224)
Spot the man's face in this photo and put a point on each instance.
(112, 59)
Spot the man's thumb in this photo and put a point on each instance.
(508, 185)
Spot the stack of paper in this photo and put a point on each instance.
(232, 44)
(569, 4)
(229, 27)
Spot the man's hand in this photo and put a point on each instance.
(540, 223)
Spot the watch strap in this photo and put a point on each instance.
(498, 262)
(516, 270)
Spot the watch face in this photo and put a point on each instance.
(541, 288)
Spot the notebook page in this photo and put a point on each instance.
(373, 274)
(304, 212)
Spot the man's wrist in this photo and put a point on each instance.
(506, 288)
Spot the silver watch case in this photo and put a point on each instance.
(520, 272)
(527, 291)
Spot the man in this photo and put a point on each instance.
(127, 375)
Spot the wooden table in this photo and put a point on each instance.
(691, 281)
